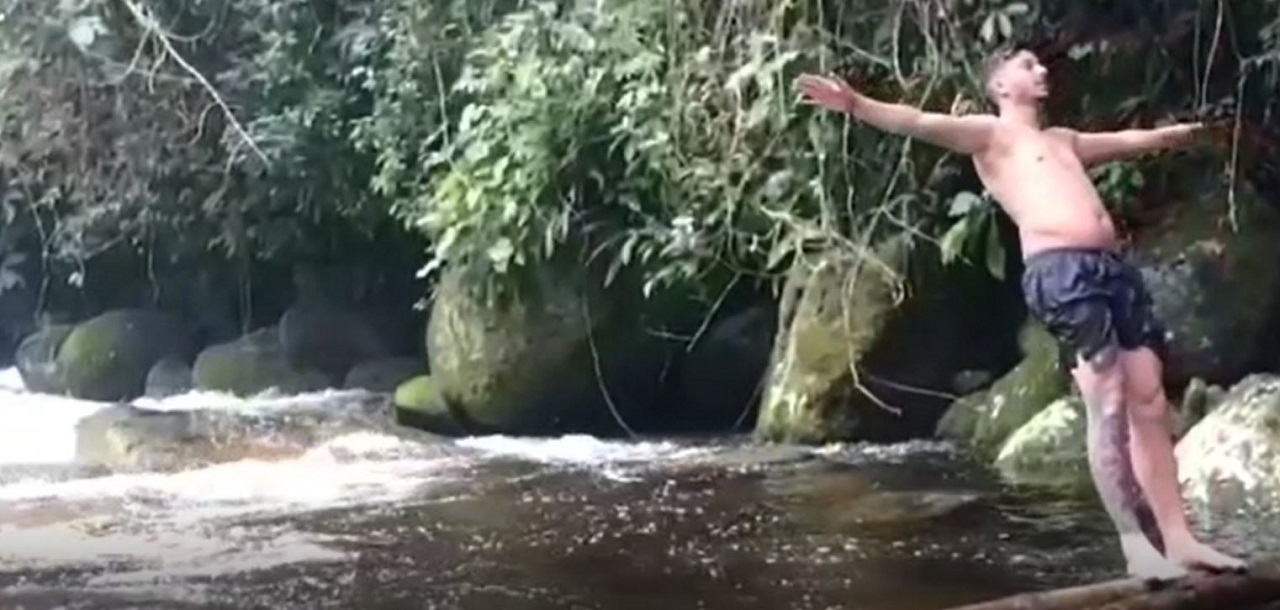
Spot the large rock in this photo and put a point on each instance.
(543, 350)
(107, 358)
(1229, 462)
(251, 365)
(1049, 450)
(983, 421)
(127, 438)
(37, 359)
(844, 304)
(864, 354)
(1216, 289)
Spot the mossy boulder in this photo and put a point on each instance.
(1229, 462)
(842, 305)
(419, 404)
(982, 421)
(250, 365)
(1215, 287)
(1049, 450)
(108, 357)
(543, 349)
(37, 359)
(868, 345)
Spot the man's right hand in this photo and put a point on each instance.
(830, 93)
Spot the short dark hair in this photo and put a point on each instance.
(994, 60)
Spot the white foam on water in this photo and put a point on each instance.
(212, 520)
(260, 403)
(348, 470)
(38, 428)
(11, 380)
(209, 521)
(193, 522)
(579, 449)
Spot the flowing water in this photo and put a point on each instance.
(370, 520)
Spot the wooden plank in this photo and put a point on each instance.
(1258, 589)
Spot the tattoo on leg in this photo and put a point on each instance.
(1108, 447)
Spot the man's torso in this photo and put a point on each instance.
(1038, 179)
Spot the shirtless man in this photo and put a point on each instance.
(1076, 283)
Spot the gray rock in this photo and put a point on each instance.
(37, 359)
(1049, 450)
(127, 438)
(983, 421)
(251, 365)
(1229, 462)
(328, 339)
(1214, 287)
(169, 377)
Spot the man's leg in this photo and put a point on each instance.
(1155, 469)
(1101, 383)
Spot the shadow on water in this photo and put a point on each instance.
(725, 526)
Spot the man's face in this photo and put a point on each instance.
(1021, 78)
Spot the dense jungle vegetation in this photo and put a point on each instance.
(662, 135)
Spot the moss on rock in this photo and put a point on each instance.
(420, 405)
(108, 357)
(1049, 450)
(251, 365)
(844, 306)
(551, 351)
(984, 420)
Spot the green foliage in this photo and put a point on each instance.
(665, 135)
(975, 235)
(1119, 184)
(116, 126)
(660, 135)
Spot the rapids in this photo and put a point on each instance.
(368, 520)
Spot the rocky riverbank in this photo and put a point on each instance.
(882, 349)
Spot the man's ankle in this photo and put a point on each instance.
(1180, 537)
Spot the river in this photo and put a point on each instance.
(369, 520)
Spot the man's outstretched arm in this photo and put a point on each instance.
(962, 134)
(1101, 147)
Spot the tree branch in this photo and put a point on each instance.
(148, 23)
(1259, 589)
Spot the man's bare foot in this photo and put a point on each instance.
(1196, 555)
(1145, 562)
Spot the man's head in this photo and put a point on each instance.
(1014, 75)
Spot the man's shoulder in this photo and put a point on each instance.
(985, 117)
